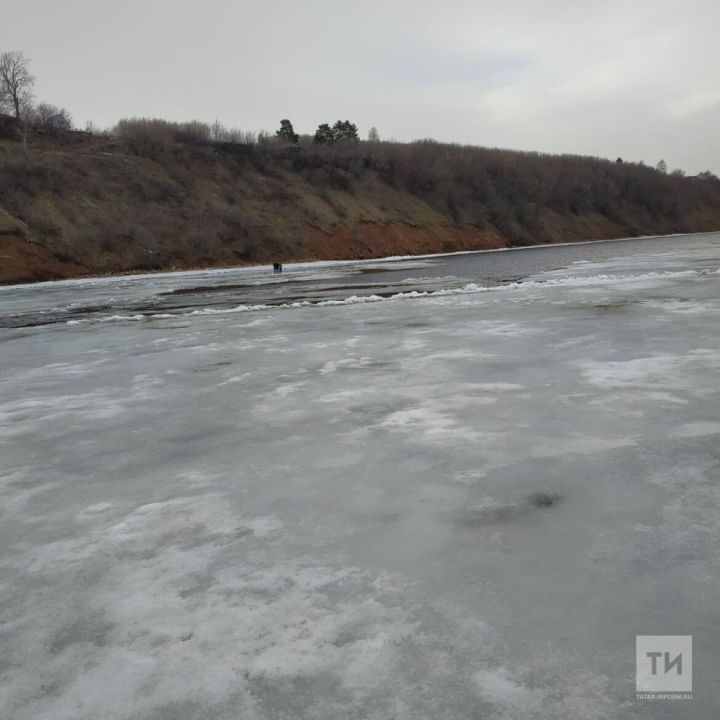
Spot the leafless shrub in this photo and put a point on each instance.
(49, 118)
(150, 136)
(191, 133)
(219, 133)
(145, 136)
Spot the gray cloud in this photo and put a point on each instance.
(610, 78)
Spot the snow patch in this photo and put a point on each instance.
(500, 688)
(581, 446)
(700, 428)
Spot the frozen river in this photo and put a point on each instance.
(448, 488)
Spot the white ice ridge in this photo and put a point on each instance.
(468, 289)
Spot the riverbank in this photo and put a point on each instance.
(90, 206)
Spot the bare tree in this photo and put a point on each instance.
(16, 81)
(44, 111)
(45, 116)
(373, 135)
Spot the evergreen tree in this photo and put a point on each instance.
(324, 134)
(341, 131)
(345, 131)
(286, 133)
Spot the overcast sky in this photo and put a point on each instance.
(633, 78)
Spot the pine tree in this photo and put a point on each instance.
(341, 131)
(345, 131)
(286, 133)
(324, 134)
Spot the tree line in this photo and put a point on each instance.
(519, 193)
(152, 135)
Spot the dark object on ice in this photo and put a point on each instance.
(544, 500)
(492, 512)
(277, 267)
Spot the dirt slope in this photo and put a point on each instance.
(81, 205)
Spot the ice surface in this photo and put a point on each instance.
(456, 500)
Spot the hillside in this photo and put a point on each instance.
(78, 204)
